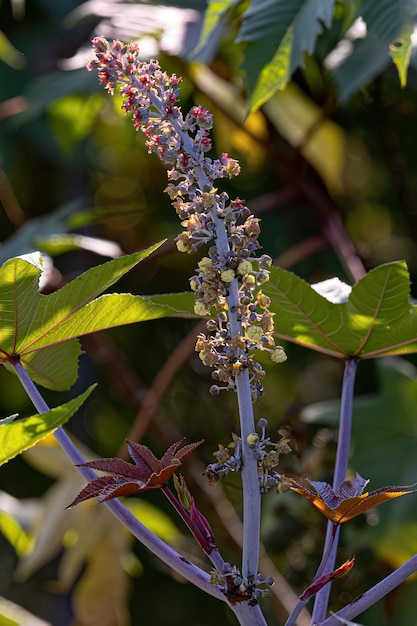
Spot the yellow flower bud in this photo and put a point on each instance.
(227, 276)
(205, 261)
(278, 355)
(254, 333)
(244, 267)
(181, 246)
(201, 309)
(253, 439)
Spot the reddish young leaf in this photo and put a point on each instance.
(318, 584)
(147, 473)
(92, 490)
(349, 500)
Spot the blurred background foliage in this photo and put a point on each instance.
(328, 162)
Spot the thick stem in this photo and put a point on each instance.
(341, 465)
(250, 483)
(249, 615)
(370, 597)
(169, 556)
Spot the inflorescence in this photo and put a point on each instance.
(266, 453)
(229, 279)
(239, 588)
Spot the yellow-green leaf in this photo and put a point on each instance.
(400, 51)
(25, 433)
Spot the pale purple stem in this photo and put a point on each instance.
(370, 597)
(169, 556)
(341, 465)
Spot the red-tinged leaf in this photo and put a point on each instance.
(118, 490)
(127, 479)
(349, 501)
(92, 490)
(171, 453)
(143, 457)
(158, 479)
(116, 466)
(187, 450)
(318, 584)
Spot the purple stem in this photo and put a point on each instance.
(380, 590)
(342, 459)
(246, 615)
(169, 556)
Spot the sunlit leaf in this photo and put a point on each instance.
(213, 16)
(42, 330)
(386, 21)
(376, 320)
(181, 304)
(277, 34)
(125, 479)
(23, 434)
(349, 501)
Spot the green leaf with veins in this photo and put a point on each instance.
(376, 320)
(22, 434)
(43, 329)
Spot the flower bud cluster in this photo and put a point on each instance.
(239, 588)
(227, 461)
(207, 216)
(266, 453)
(229, 355)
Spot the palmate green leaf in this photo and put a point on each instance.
(43, 329)
(277, 34)
(25, 433)
(377, 319)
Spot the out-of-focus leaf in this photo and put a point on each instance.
(323, 143)
(23, 241)
(154, 519)
(172, 27)
(248, 134)
(277, 34)
(60, 243)
(100, 596)
(398, 543)
(14, 533)
(72, 117)
(400, 51)
(384, 424)
(9, 54)
(12, 614)
(386, 22)
(384, 428)
(215, 13)
(25, 433)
